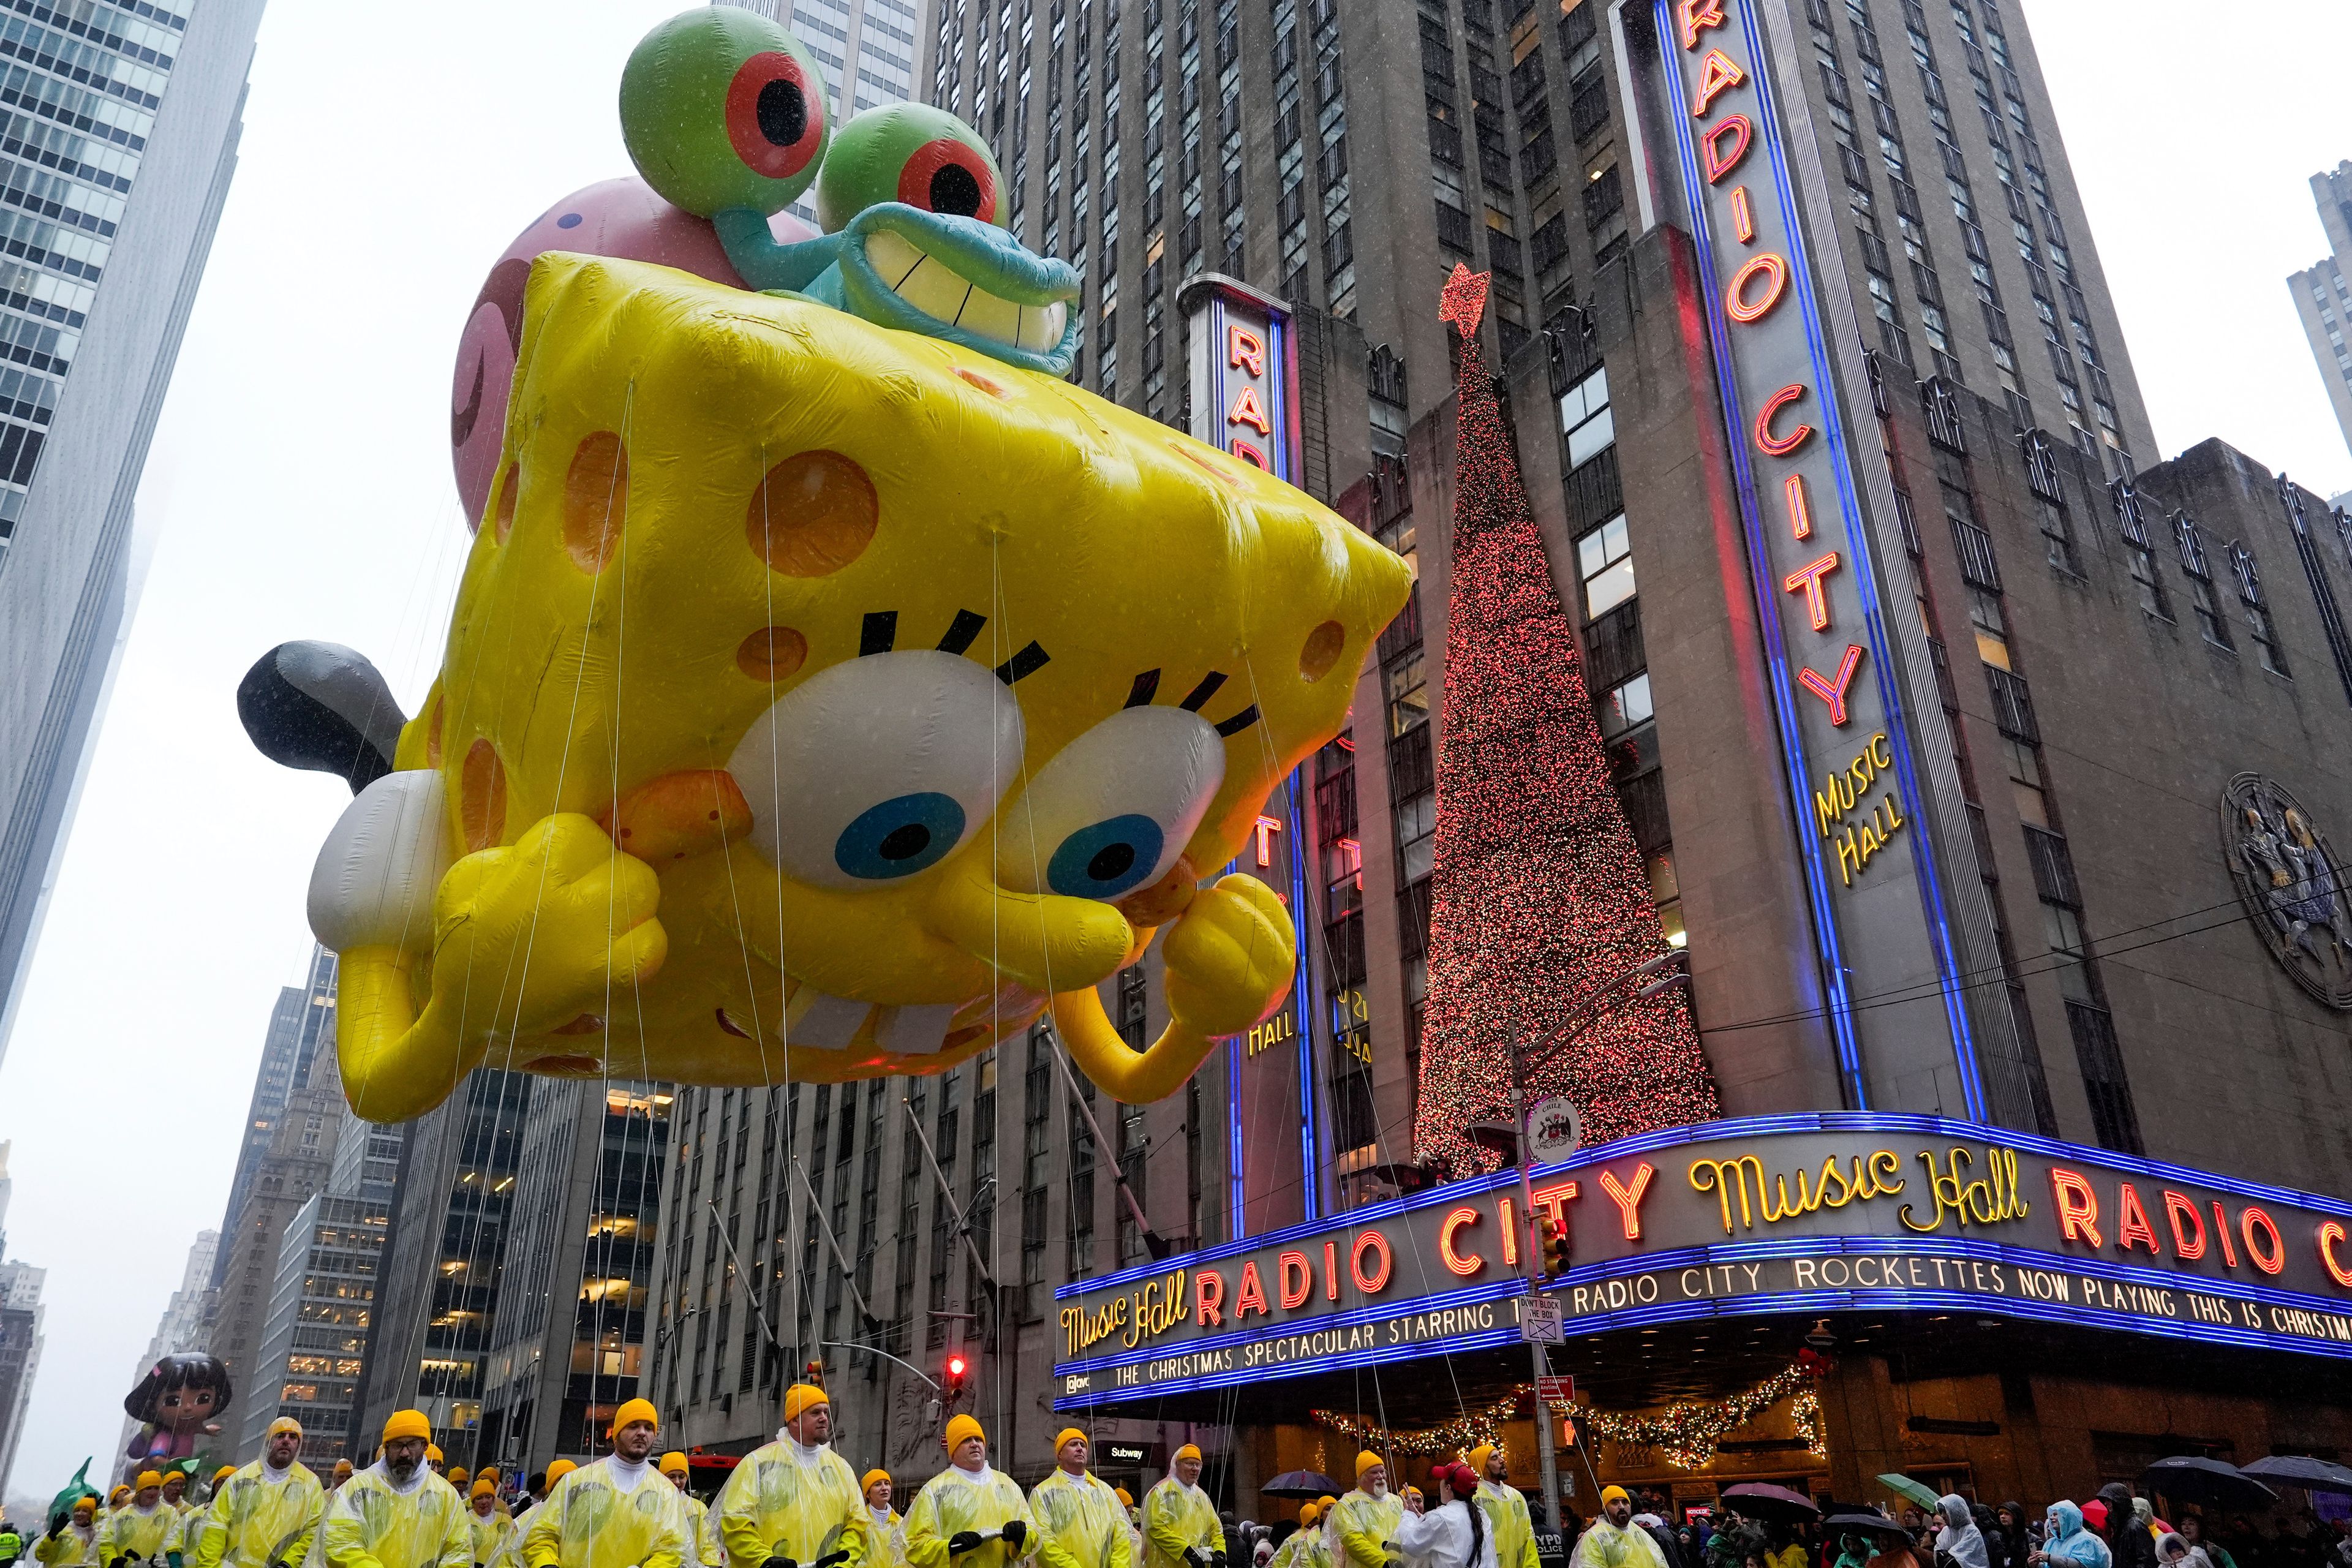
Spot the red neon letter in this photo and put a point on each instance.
(1807, 580)
(2222, 1234)
(1743, 222)
(1734, 127)
(1717, 74)
(2270, 1259)
(2131, 1220)
(1209, 1286)
(1247, 410)
(1832, 691)
(1371, 1241)
(1696, 14)
(1460, 1263)
(1330, 1271)
(1510, 1233)
(1248, 452)
(2078, 1207)
(1244, 350)
(1267, 826)
(2330, 1233)
(1553, 1202)
(1628, 1199)
(1773, 446)
(1800, 516)
(2189, 1243)
(1296, 1279)
(1764, 264)
(1253, 1293)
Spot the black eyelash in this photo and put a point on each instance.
(1146, 686)
(1202, 692)
(961, 634)
(1238, 722)
(880, 634)
(1028, 661)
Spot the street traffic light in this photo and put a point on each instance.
(1559, 1247)
(951, 1378)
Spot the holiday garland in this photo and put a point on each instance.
(1687, 1434)
(1539, 899)
(1690, 1433)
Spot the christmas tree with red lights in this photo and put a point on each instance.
(1539, 899)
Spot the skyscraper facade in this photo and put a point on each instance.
(21, 1314)
(302, 1020)
(120, 141)
(2323, 301)
(310, 1350)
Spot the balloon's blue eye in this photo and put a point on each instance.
(1107, 858)
(907, 834)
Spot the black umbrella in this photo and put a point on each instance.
(1307, 1484)
(2300, 1470)
(1775, 1505)
(2190, 1477)
(1868, 1524)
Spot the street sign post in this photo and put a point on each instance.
(1556, 1391)
(1539, 1324)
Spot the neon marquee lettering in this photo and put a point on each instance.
(1717, 74)
(1244, 350)
(1736, 128)
(1696, 15)
(1832, 690)
(1807, 580)
(1742, 303)
(1781, 445)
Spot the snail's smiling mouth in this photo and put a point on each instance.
(931, 284)
(961, 280)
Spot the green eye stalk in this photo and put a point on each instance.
(724, 114)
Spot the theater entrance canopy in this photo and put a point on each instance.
(1715, 1250)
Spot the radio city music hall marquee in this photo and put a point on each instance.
(1870, 869)
(1795, 1214)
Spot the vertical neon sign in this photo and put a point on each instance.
(1836, 698)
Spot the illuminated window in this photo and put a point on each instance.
(1585, 419)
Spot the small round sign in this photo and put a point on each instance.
(1554, 1130)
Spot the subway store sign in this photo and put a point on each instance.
(1785, 1213)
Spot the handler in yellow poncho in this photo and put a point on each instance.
(1614, 1541)
(396, 1513)
(795, 1497)
(1180, 1529)
(1513, 1530)
(493, 1531)
(1307, 1547)
(1080, 1519)
(1365, 1521)
(617, 1512)
(969, 1515)
(708, 1553)
(887, 1542)
(147, 1529)
(74, 1540)
(265, 1513)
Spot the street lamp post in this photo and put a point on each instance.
(1530, 1268)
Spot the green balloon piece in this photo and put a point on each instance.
(873, 154)
(720, 108)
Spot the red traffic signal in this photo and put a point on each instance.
(952, 1376)
(955, 1366)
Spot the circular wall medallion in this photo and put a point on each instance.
(2292, 885)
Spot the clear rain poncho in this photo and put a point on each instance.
(494, 1534)
(1306, 1548)
(256, 1518)
(1960, 1538)
(1177, 1518)
(1509, 1522)
(68, 1548)
(146, 1534)
(954, 1501)
(708, 1550)
(1365, 1525)
(885, 1538)
(1081, 1523)
(787, 1500)
(370, 1523)
(593, 1519)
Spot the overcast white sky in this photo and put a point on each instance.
(301, 487)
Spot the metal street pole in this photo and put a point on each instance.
(1530, 1266)
(1530, 1270)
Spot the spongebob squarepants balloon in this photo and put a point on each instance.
(831, 689)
